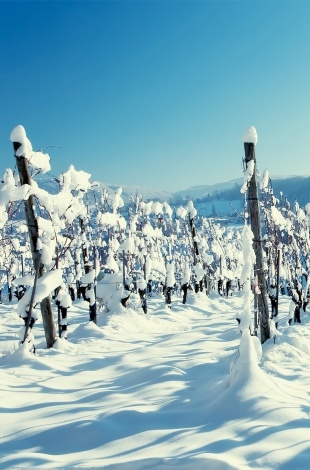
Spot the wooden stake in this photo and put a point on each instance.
(262, 299)
(31, 303)
(193, 233)
(93, 310)
(278, 288)
(33, 230)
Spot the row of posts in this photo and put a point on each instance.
(253, 201)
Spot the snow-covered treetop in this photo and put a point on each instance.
(264, 180)
(181, 212)
(191, 209)
(116, 200)
(10, 192)
(75, 180)
(38, 159)
(307, 209)
(247, 175)
(250, 135)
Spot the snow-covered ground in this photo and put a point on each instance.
(170, 389)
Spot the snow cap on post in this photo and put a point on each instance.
(250, 136)
(18, 134)
(23, 148)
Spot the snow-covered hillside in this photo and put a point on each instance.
(217, 200)
(202, 191)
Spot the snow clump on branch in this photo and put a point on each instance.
(191, 209)
(116, 200)
(264, 180)
(75, 180)
(45, 285)
(9, 192)
(247, 175)
(170, 275)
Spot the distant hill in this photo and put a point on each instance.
(293, 188)
(199, 192)
(226, 199)
(219, 199)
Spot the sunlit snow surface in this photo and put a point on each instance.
(164, 390)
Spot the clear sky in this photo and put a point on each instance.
(159, 93)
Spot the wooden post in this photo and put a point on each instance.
(124, 281)
(46, 307)
(9, 282)
(22, 264)
(278, 288)
(56, 292)
(31, 303)
(77, 282)
(196, 250)
(255, 315)
(93, 308)
(84, 248)
(193, 232)
(262, 300)
(144, 301)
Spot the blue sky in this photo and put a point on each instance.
(157, 94)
